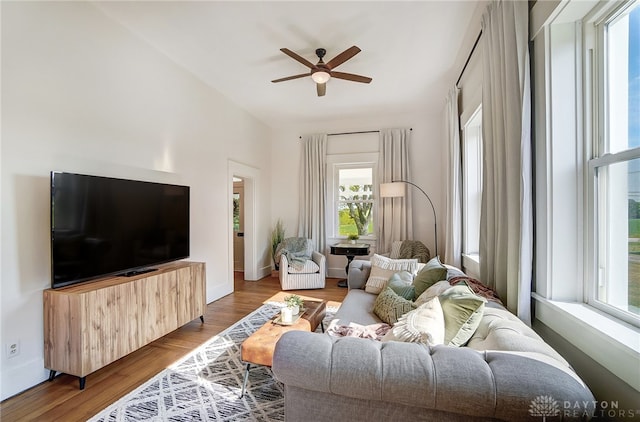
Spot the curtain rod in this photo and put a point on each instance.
(355, 133)
(469, 57)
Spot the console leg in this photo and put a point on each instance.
(244, 382)
(82, 382)
(52, 375)
(202, 318)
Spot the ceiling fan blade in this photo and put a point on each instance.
(343, 57)
(288, 78)
(351, 77)
(297, 57)
(322, 89)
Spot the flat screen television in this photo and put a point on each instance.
(103, 226)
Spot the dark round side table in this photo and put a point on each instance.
(350, 250)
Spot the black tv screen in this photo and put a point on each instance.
(104, 226)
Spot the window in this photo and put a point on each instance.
(471, 191)
(578, 199)
(614, 170)
(354, 200)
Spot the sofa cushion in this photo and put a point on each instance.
(500, 330)
(357, 307)
(389, 307)
(401, 283)
(430, 274)
(463, 312)
(424, 324)
(382, 268)
(309, 267)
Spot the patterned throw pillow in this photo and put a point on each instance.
(400, 283)
(382, 268)
(422, 325)
(389, 307)
(462, 310)
(430, 274)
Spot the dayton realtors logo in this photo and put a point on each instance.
(547, 406)
(544, 406)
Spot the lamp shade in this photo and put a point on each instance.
(320, 76)
(392, 190)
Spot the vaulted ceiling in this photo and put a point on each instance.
(408, 48)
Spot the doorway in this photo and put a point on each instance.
(249, 176)
(238, 225)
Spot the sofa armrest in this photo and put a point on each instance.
(321, 260)
(359, 271)
(488, 384)
(284, 263)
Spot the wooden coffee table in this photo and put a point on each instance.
(258, 348)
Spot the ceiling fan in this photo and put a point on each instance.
(321, 72)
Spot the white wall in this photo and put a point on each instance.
(426, 149)
(82, 94)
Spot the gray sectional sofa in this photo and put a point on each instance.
(505, 372)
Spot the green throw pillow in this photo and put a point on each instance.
(400, 283)
(462, 310)
(389, 307)
(431, 273)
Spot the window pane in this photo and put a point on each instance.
(623, 81)
(356, 183)
(355, 201)
(619, 244)
(355, 219)
(472, 183)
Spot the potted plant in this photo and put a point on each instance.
(277, 236)
(294, 302)
(353, 237)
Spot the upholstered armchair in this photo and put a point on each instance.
(300, 266)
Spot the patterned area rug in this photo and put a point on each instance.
(205, 385)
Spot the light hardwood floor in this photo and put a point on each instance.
(61, 400)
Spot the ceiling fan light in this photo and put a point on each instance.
(320, 77)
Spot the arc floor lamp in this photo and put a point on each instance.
(397, 189)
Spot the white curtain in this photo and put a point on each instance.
(394, 220)
(453, 227)
(506, 226)
(313, 190)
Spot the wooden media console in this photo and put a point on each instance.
(88, 326)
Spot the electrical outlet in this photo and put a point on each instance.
(13, 349)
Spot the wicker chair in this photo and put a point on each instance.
(311, 276)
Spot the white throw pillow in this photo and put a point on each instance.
(422, 325)
(382, 268)
(436, 290)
